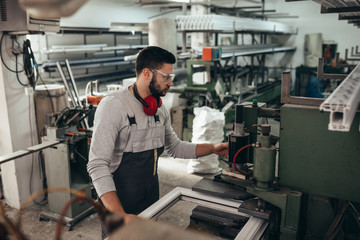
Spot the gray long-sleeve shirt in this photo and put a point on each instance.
(111, 133)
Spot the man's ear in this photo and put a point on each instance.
(148, 74)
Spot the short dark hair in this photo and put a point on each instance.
(153, 57)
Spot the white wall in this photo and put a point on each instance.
(18, 132)
(100, 14)
(312, 21)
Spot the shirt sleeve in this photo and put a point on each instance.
(173, 145)
(107, 125)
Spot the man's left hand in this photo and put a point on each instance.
(222, 149)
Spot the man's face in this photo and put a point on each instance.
(160, 82)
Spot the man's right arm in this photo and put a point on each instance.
(112, 204)
(107, 125)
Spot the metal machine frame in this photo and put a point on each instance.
(253, 229)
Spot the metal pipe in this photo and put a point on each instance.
(73, 82)
(30, 150)
(73, 103)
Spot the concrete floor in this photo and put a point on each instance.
(172, 173)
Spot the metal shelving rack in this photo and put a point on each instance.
(347, 9)
(218, 24)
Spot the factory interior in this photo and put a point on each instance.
(277, 80)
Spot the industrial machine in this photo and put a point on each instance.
(65, 164)
(300, 185)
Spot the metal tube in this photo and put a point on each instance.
(21, 153)
(73, 103)
(73, 82)
(75, 90)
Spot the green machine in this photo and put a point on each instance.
(212, 93)
(316, 191)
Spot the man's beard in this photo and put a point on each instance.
(155, 88)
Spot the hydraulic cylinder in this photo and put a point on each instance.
(264, 159)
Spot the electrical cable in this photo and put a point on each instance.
(79, 195)
(2, 58)
(30, 65)
(41, 192)
(101, 210)
(41, 162)
(48, 92)
(43, 201)
(12, 229)
(17, 73)
(80, 155)
(237, 153)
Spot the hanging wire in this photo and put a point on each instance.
(1, 55)
(30, 65)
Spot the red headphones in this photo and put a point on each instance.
(150, 104)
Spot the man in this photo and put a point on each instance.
(131, 130)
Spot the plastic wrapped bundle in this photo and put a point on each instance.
(208, 127)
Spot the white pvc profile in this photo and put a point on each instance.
(91, 48)
(253, 229)
(343, 102)
(246, 52)
(213, 22)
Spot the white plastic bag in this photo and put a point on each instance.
(208, 127)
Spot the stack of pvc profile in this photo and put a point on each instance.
(205, 22)
(343, 102)
(226, 23)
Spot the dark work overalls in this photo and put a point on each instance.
(136, 178)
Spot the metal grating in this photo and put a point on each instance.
(3, 12)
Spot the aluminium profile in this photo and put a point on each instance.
(286, 98)
(253, 229)
(62, 75)
(29, 150)
(353, 53)
(348, 58)
(338, 64)
(322, 75)
(343, 102)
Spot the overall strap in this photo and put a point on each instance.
(129, 111)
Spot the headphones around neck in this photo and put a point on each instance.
(150, 104)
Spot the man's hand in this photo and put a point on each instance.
(206, 149)
(112, 204)
(222, 149)
(129, 218)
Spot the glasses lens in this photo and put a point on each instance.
(166, 77)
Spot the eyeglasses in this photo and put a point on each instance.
(167, 77)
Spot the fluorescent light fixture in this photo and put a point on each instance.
(129, 27)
